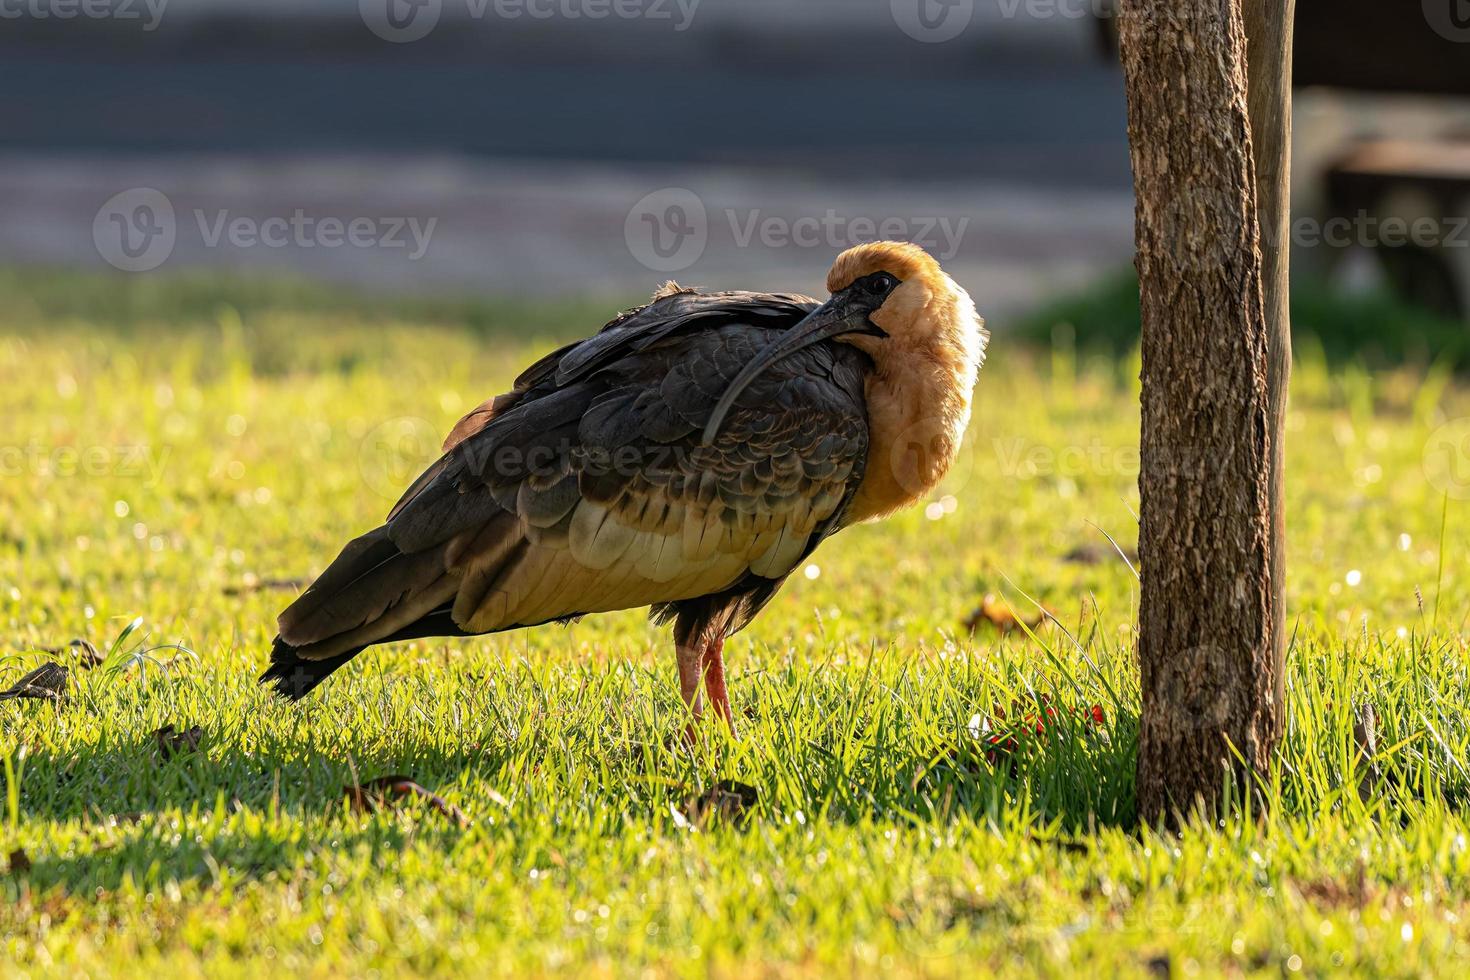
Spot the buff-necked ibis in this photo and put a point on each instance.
(686, 457)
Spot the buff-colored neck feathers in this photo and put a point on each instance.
(924, 371)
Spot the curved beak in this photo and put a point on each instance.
(838, 316)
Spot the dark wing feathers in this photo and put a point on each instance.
(366, 598)
(586, 488)
(640, 329)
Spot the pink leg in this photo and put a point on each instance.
(714, 681)
(690, 658)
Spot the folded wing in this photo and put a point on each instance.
(586, 489)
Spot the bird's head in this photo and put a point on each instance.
(892, 301)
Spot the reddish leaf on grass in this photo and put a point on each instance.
(994, 611)
(171, 742)
(1002, 737)
(46, 683)
(391, 791)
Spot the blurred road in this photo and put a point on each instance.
(539, 153)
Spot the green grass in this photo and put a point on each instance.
(158, 467)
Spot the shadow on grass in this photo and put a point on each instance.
(268, 809)
(270, 790)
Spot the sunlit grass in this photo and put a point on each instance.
(181, 475)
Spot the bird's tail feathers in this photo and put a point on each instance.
(372, 593)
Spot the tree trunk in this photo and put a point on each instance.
(1269, 30)
(1206, 621)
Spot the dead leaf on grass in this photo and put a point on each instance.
(725, 800)
(997, 612)
(1160, 966)
(1096, 554)
(252, 583)
(87, 655)
(392, 791)
(46, 683)
(1365, 736)
(172, 742)
(20, 862)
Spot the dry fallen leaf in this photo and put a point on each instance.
(995, 611)
(117, 819)
(389, 791)
(171, 742)
(47, 682)
(1365, 736)
(1084, 554)
(1160, 966)
(1096, 554)
(253, 584)
(20, 862)
(725, 800)
(87, 655)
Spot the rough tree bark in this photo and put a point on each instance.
(1207, 622)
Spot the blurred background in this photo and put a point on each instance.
(593, 148)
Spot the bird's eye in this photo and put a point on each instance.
(880, 284)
